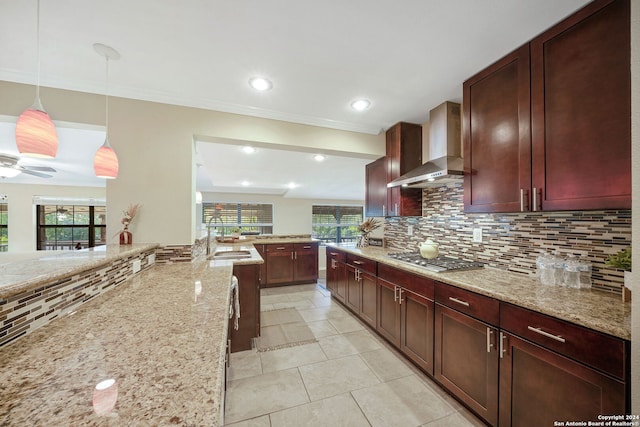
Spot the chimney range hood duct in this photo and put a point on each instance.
(446, 165)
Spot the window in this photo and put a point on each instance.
(4, 232)
(69, 227)
(336, 223)
(249, 218)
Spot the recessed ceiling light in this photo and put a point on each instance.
(319, 158)
(292, 185)
(248, 149)
(360, 104)
(246, 183)
(260, 83)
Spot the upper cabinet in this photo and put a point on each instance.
(548, 127)
(404, 152)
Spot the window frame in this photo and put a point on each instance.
(246, 228)
(42, 243)
(339, 226)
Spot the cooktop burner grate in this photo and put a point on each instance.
(439, 264)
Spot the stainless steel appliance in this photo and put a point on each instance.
(439, 264)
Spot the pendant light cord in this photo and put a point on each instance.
(107, 100)
(38, 50)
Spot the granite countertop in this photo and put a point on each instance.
(24, 271)
(594, 309)
(161, 335)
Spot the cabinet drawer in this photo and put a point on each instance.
(339, 256)
(587, 346)
(412, 282)
(286, 247)
(363, 264)
(300, 247)
(475, 305)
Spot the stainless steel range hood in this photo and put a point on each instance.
(446, 165)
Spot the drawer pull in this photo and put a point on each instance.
(400, 291)
(502, 346)
(306, 247)
(333, 253)
(395, 293)
(546, 334)
(459, 301)
(489, 340)
(358, 262)
(280, 248)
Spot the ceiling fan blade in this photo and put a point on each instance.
(38, 168)
(34, 173)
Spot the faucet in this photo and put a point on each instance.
(213, 218)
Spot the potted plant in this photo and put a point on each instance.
(622, 261)
(235, 232)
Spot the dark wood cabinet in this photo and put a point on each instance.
(291, 263)
(548, 126)
(262, 278)
(466, 356)
(361, 295)
(570, 372)
(354, 290)
(581, 110)
(403, 153)
(249, 321)
(406, 314)
(376, 188)
(337, 274)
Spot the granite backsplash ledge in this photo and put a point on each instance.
(513, 241)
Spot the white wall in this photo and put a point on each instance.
(154, 143)
(22, 212)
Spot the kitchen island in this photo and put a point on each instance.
(161, 338)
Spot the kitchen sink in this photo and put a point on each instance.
(230, 254)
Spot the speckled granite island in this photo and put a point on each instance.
(150, 352)
(593, 309)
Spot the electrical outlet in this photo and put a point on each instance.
(477, 235)
(410, 230)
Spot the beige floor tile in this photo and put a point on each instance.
(335, 411)
(244, 364)
(266, 307)
(321, 301)
(323, 313)
(272, 299)
(456, 419)
(300, 304)
(346, 324)
(279, 316)
(402, 402)
(251, 397)
(348, 344)
(333, 377)
(322, 328)
(275, 336)
(291, 357)
(386, 365)
(254, 422)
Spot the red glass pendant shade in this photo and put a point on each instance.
(36, 134)
(105, 162)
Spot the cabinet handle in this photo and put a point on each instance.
(522, 200)
(292, 255)
(384, 210)
(400, 291)
(535, 199)
(358, 262)
(281, 248)
(395, 293)
(396, 209)
(333, 264)
(546, 334)
(333, 253)
(306, 247)
(459, 301)
(489, 340)
(502, 346)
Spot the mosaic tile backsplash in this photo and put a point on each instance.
(513, 241)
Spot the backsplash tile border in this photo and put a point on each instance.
(513, 241)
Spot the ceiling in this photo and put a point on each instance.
(406, 57)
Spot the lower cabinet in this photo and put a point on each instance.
(405, 317)
(290, 263)
(249, 321)
(361, 288)
(337, 274)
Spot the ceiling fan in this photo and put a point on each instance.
(9, 168)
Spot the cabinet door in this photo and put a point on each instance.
(404, 152)
(369, 301)
(332, 272)
(466, 361)
(305, 265)
(539, 387)
(388, 319)
(249, 321)
(279, 264)
(496, 136)
(581, 110)
(341, 282)
(354, 290)
(417, 317)
(262, 278)
(376, 188)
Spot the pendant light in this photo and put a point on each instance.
(105, 162)
(36, 134)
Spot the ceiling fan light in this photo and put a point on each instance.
(105, 162)
(6, 172)
(36, 134)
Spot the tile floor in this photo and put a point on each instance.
(349, 377)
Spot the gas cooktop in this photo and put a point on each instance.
(439, 264)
